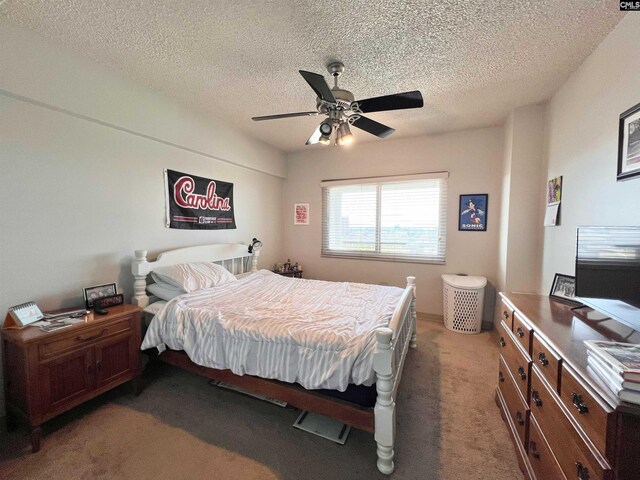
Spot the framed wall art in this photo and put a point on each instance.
(629, 144)
(301, 214)
(473, 212)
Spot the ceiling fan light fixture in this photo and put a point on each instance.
(325, 133)
(324, 140)
(344, 136)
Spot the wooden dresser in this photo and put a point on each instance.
(564, 423)
(46, 374)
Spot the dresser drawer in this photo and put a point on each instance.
(547, 360)
(506, 313)
(523, 333)
(575, 457)
(517, 362)
(517, 409)
(81, 338)
(542, 461)
(591, 413)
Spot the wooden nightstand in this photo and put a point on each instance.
(291, 273)
(46, 374)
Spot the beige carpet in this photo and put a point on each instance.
(181, 428)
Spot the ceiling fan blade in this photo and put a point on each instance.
(319, 85)
(398, 101)
(373, 127)
(285, 115)
(315, 137)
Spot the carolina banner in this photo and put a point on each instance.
(198, 203)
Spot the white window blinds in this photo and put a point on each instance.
(386, 218)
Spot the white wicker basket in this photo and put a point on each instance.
(463, 299)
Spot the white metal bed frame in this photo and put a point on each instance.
(392, 342)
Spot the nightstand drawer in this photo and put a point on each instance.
(588, 410)
(575, 457)
(79, 338)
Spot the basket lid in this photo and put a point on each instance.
(464, 281)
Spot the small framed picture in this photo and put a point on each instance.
(301, 214)
(473, 212)
(629, 144)
(554, 191)
(91, 294)
(564, 289)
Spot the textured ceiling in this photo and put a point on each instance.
(473, 60)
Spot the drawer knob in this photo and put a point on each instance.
(520, 332)
(579, 404)
(534, 449)
(500, 376)
(502, 342)
(520, 418)
(536, 398)
(543, 359)
(505, 314)
(523, 375)
(582, 471)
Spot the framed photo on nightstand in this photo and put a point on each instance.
(91, 294)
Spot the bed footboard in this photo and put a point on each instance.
(388, 360)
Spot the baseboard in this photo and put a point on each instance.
(429, 317)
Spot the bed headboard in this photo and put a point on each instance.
(230, 255)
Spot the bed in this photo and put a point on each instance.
(304, 342)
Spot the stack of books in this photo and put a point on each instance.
(617, 365)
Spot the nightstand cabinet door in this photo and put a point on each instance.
(65, 379)
(115, 360)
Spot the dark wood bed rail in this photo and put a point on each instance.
(296, 396)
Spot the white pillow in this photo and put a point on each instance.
(165, 291)
(193, 276)
(154, 307)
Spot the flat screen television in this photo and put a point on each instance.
(608, 271)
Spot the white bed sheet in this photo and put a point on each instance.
(318, 334)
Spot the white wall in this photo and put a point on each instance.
(582, 127)
(474, 160)
(81, 174)
(519, 257)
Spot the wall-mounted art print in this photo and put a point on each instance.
(473, 212)
(554, 190)
(198, 203)
(554, 197)
(301, 214)
(629, 144)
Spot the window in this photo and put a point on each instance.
(386, 218)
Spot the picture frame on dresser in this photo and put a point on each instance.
(629, 144)
(563, 289)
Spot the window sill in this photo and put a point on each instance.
(376, 258)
